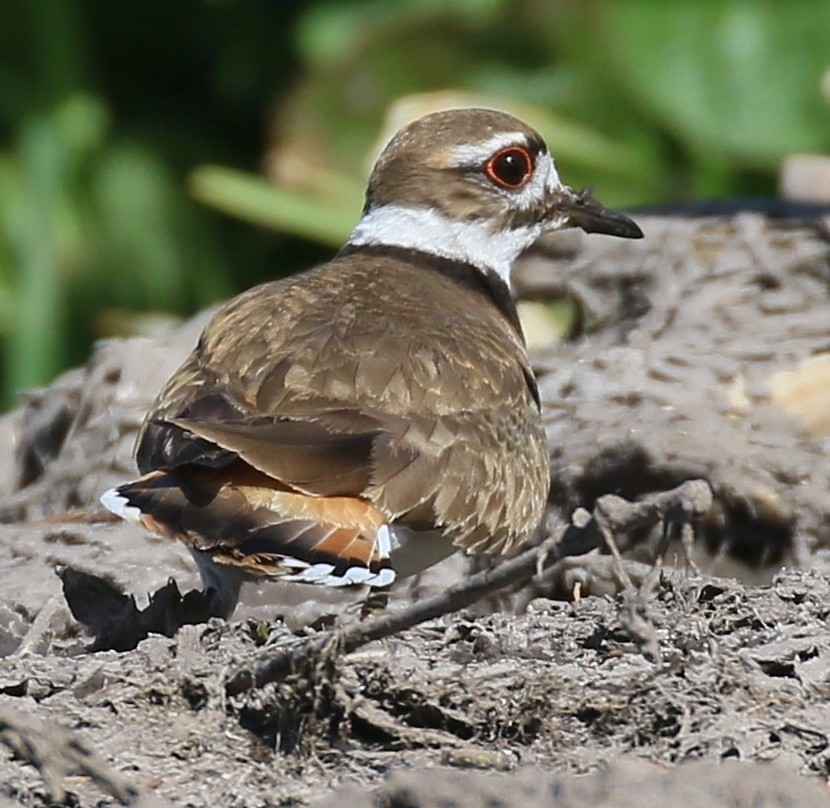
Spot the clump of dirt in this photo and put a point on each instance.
(702, 352)
(622, 784)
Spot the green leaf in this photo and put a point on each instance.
(252, 198)
(34, 350)
(736, 78)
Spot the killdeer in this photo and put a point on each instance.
(362, 420)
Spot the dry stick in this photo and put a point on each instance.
(687, 502)
(57, 753)
(39, 628)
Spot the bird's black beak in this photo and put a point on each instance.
(581, 209)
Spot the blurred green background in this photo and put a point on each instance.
(157, 156)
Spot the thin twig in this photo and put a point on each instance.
(683, 504)
(39, 628)
(58, 753)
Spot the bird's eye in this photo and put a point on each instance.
(510, 168)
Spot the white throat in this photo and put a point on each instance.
(429, 231)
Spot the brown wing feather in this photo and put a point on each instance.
(304, 455)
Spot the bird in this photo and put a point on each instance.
(360, 421)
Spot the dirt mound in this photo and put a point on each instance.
(701, 352)
(623, 784)
(563, 688)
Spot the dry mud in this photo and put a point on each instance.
(702, 352)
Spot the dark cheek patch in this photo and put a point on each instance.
(468, 196)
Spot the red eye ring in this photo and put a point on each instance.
(510, 168)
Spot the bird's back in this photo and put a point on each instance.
(426, 371)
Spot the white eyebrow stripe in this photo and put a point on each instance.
(472, 154)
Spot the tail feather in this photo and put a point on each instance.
(252, 527)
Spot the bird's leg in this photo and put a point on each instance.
(375, 602)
